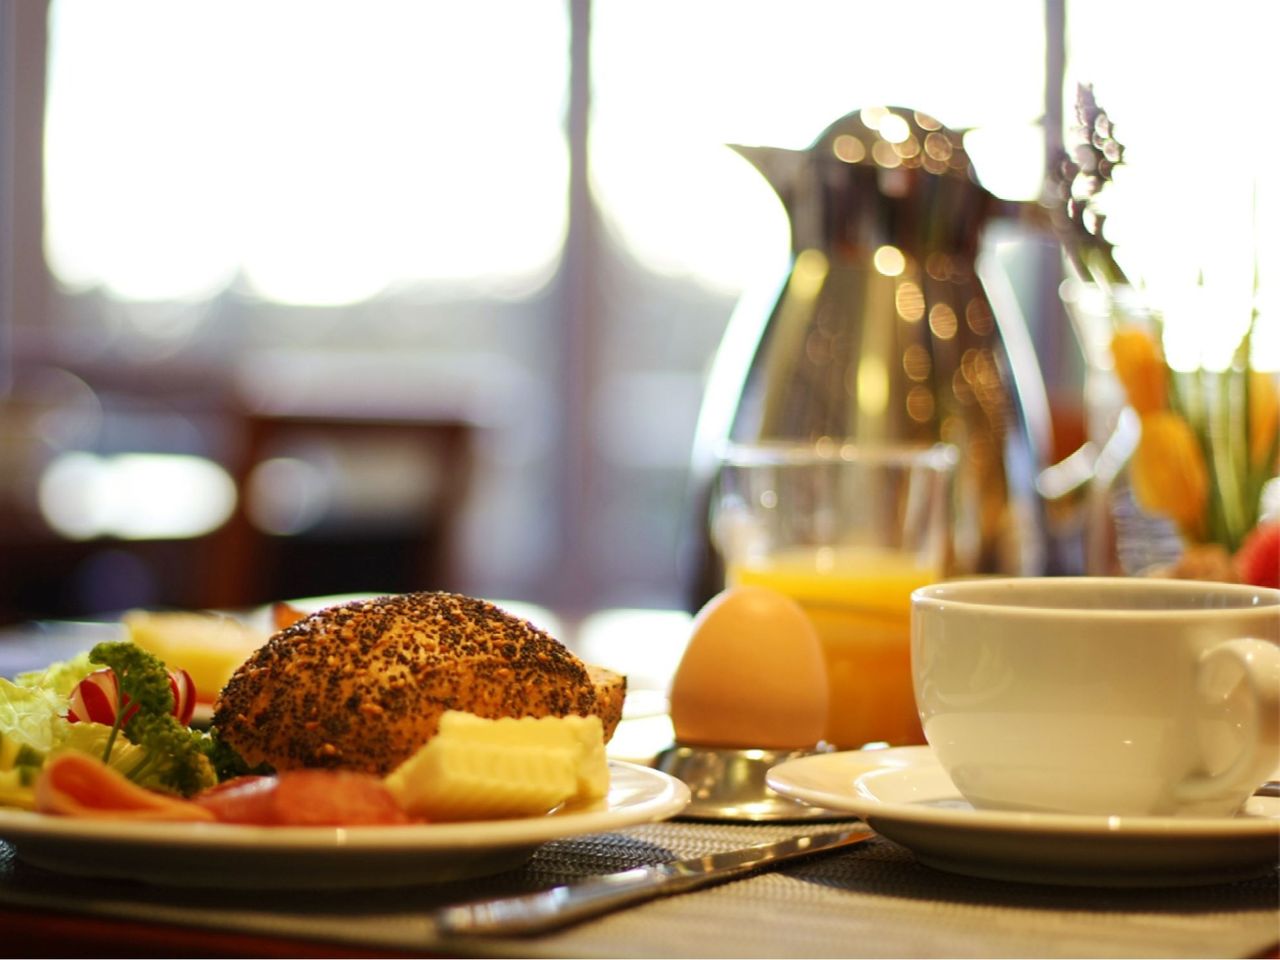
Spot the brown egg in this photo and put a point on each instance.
(752, 675)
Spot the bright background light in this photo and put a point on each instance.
(404, 142)
(135, 496)
(323, 151)
(1195, 206)
(675, 82)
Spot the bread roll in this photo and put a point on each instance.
(362, 685)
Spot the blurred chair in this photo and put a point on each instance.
(333, 503)
(141, 494)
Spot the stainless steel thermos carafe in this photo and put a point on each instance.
(892, 325)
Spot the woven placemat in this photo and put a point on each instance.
(873, 900)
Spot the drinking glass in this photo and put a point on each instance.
(848, 531)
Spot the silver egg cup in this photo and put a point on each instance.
(728, 784)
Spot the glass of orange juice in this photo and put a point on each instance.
(848, 531)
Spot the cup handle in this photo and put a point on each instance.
(1255, 664)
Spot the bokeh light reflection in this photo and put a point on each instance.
(135, 496)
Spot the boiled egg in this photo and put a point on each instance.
(752, 675)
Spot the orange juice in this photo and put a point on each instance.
(859, 600)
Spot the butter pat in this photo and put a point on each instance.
(475, 769)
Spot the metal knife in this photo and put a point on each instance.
(571, 903)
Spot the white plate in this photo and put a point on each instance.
(230, 855)
(903, 794)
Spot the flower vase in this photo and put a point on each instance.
(1120, 537)
(1179, 461)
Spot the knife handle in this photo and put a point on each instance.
(566, 904)
(559, 906)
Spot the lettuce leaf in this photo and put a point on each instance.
(32, 716)
(60, 677)
(91, 738)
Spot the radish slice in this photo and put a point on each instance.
(184, 695)
(97, 698)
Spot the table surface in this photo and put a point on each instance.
(874, 900)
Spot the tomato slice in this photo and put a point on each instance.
(335, 798)
(242, 800)
(304, 798)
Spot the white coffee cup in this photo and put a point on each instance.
(1089, 695)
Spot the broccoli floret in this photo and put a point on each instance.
(174, 760)
(144, 683)
(227, 763)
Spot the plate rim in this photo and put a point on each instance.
(664, 798)
(917, 758)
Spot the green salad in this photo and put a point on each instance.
(116, 702)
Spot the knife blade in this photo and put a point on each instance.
(571, 903)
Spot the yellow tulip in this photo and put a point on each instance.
(1168, 471)
(1140, 368)
(1264, 416)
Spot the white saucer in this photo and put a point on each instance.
(903, 794)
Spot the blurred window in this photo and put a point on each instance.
(373, 197)
(374, 200)
(319, 206)
(315, 152)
